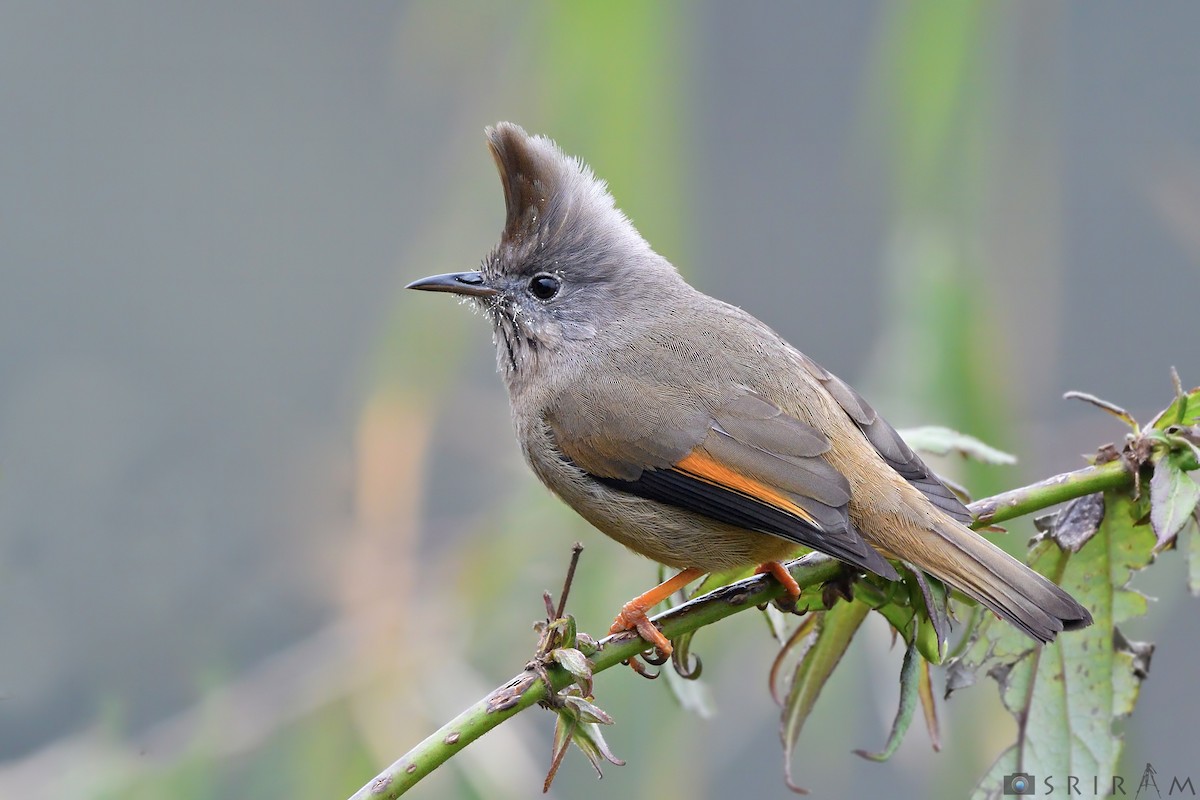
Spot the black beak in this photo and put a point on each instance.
(467, 283)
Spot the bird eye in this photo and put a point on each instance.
(543, 286)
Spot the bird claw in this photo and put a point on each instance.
(655, 657)
(841, 587)
(633, 619)
(637, 666)
(786, 602)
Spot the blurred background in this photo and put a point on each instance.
(263, 525)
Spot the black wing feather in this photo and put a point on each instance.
(735, 508)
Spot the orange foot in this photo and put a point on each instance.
(782, 575)
(633, 614)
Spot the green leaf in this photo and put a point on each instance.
(577, 722)
(1173, 497)
(992, 784)
(910, 681)
(1184, 410)
(929, 594)
(587, 711)
(793, 649)
(565, 725)
(916, 607)
(834, 631)
(556, 633)
(590, 740)
(576, 663)
(943, 441)
(1065, 732)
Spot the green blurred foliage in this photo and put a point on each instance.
(613, 82)
(934, 86)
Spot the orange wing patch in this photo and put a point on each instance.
(703, 467)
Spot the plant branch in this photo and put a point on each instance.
(526, 689)
(1050, 492)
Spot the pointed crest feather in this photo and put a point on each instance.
(542, 184)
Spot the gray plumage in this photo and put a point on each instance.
(688, 430)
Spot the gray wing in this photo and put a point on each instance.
(894, 450)
(749, 465)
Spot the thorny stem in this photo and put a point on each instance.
(526, 689)
(1050, 492)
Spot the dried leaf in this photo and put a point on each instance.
(564, 731)
(943, 441)
(1137, 655)
(1104, 405)
(929, 706)
(959, 675)
(1075, 523)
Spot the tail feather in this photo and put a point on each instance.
(1016, 593)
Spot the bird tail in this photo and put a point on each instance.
(976, 567)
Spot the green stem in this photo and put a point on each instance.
(1050, 492)
(526, 689)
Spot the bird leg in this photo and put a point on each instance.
(633, 614)
(783, 576)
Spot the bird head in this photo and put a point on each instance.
(568, 266)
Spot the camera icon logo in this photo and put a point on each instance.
(1018, 783)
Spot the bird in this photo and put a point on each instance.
(691, 432)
